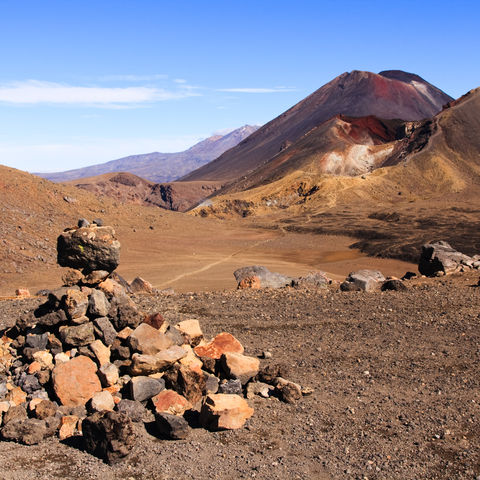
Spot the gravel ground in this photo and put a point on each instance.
(395, 379)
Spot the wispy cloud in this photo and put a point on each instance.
(38, 92)
(257, 90)
(133, 78)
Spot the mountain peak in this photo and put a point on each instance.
(161, 167)
(391, 95)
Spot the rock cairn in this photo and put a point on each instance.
(88, 362)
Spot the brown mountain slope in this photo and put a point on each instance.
(389, 95)
(428, 187)
(161, 167)
(122, 186)
(167, 248)
(340, 146)
(128, 188)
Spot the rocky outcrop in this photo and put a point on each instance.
(440, 258)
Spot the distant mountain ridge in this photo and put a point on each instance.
(161, 167)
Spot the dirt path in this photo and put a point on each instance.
(212, 264)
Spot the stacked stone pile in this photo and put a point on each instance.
(89, 362)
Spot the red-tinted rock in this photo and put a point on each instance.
(155, 320)
(169, 401)
(222, 343)
(22, 292)
(76, 381)
(250, 282)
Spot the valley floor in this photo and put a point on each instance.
(395, 379)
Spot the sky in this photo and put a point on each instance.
(85, 82)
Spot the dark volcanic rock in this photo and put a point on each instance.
(142, 388)
(29, 431)
(349, 287)
(104, 329)
(109, 435)
(397, 285)
(232, 386)
(89, 248)
(172, 427)
(123, 313)
(77, 336)
(133, 409)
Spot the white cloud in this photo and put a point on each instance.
(180, 80)
(134, 78)
(257, 90)
(37, 92)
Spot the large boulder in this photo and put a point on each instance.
(29, 431)
(366, 280)
(76, 381)
(441, 257)
(266, 278)
(316, 279)
(88, 249)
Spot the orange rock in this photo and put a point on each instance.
(191, 360)
(34, 367)
(76, 303)
(112, 389)
(22, 292)
(68, 425)
(169, 401)
(101, 351)
(76, 381)
(125, 333)
(250, 282)
(16, 396)
(222, 343)
(222, 411)
(111, 288)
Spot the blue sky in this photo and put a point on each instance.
(87, 82)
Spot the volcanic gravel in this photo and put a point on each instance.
(395, 379)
